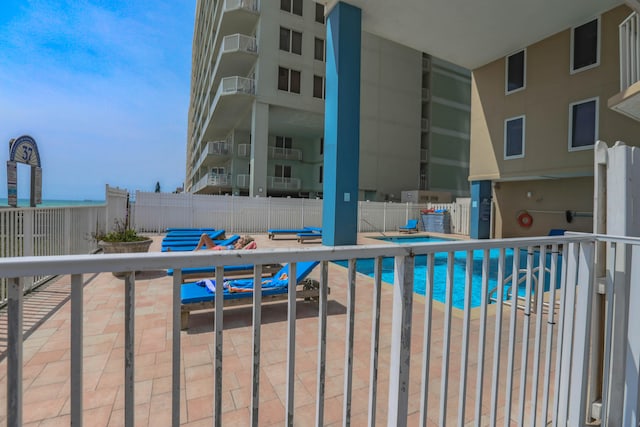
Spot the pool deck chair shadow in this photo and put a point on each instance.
(198, 296)
(411, 227)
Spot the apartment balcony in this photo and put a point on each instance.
(627, 101)
(238, 16)
(213, 183)
(424, 125)
(423, 155)
(232, 99)
(214, 154)
(280, 183)
(273, 183)
(236, 57)
(285, 153)
(244, 150)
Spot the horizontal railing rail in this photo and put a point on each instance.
(463, 265)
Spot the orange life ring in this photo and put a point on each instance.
(525, 220)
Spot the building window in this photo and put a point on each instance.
(290, 41)
(516, 72)
(583, 124)
(321, 171)
(283, 171)
(318, 51)
(320, 13)
(585, 46)
(217, 171)
(318, 87)
(291, 6)
(322, 146)
(514, 138)
(284, 142)
(288, 80)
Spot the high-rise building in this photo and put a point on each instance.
(256, 115)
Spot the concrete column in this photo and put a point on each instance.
(342, 126)
(259, 149)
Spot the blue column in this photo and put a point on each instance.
(480, 209)
(342, 126)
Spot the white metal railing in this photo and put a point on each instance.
(239, 42)
(220, 180)
(282, 183)
(285, 153)
(423, 154)
(425, 94)
(236, 85)
(241, 4)
(629, 51)
(157, 211)
(523, 372)
(424, 124)
(244, 150)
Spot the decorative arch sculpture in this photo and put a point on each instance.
(24, 150)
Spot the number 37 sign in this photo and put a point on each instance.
(24, 150)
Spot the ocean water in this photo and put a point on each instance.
(24, 203)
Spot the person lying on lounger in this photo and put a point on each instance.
(245, 242)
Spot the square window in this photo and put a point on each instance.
(296, 42)
(318, 51)
(583, 124)
(516, 71)
(295, 81)
(320, 13)
(321, 145)
(297, 7)
(585, 46)
(321, 171)
(318, 87)
(285, 5)
(514, 138)
(284, 39)
(283, 78)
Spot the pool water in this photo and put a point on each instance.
(366, 266)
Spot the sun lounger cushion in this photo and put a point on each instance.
(191, 293)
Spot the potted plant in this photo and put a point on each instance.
(122, 239)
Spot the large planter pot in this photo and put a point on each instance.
(124, 248)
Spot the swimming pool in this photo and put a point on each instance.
(366, 266)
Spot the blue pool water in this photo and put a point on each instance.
(366, 266)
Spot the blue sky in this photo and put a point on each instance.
(103, 88)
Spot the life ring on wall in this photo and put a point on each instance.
(525, 220)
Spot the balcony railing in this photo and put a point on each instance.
(285, 153)
(425, 94)
(244, 150)
(424, 124)
(244, 180)
(551, 362)
(230, 85)
(239, 42)
(629, 51)
(215, 148)
(281, 183)
(220, 180)
(424, 154)
(251, 5)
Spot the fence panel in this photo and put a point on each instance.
(154, 212)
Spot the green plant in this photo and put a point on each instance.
(121, 233)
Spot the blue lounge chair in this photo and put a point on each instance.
(198, 296)
(229, 270)
(190, 244)
(272, 232)
(313, 235)
(411, 227)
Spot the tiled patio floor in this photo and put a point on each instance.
(46, 381)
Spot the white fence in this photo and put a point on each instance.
(46, 231)
(154, 212)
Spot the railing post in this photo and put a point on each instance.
(577, 399)
(76, 349)
(129, 339)
(14, 353)
(400, 341)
